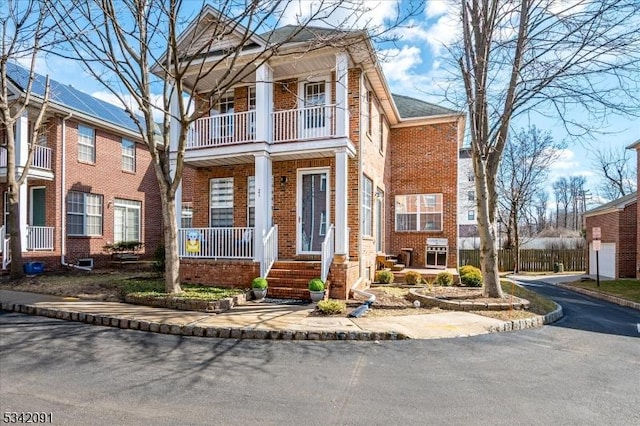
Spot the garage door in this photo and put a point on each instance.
(607, 260)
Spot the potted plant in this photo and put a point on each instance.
(259, 287)
(316, 289)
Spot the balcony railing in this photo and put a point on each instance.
(240, 127)
(39, 238)
(223, 129)
(216, 243)
(41, 157)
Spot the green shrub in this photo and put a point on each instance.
(472, 279)
(316, 284)
(331, 306)
(412, 277)
(259, 283)
(464, 270)
(384, 277)
(444, 279)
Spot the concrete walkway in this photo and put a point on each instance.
(259, 320)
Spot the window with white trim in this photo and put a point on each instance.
(314, 97)
(84, 214)
(471, 195)
(86, 144)
(251, 201)
(128, 155)
(471, 215)
(126, 220)
(367, 206)
(221, 202)
(419, 212)
(186, 219)
(323, 223)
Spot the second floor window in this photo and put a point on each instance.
(314, 97)
(84, 214)
(186, 221)
(471, 215)
(471, 195)
(86, 144)
(419, 212)
(128, 155)
(221, 203)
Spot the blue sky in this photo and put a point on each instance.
(416, 66)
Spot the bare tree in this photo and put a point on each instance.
(22, 24)
(541, 203)
(554, 57)
(522, 174)
(133, 47)
(562, 193)
(615, 169)
(576, 189)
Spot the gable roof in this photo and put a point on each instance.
(69, 98)
(634, 145)
(304, 34)
(611, 206)
(412, 108)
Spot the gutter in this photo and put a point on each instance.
(63, 198)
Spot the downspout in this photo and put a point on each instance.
(63, 204)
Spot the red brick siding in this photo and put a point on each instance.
(424, 161)
(638, 219)
(218, 272)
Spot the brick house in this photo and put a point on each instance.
(618, 223)
(90, 182)
(311, 167)
(636, 146)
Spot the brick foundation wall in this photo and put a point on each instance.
(230, 273)
(342, 277)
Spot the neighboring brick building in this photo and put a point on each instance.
(618, 223)
(312, 161)
(90, 183)
(636, 147)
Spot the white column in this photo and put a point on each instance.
(262, 202)
(174, 136)
(341, 222)
(22, 153)
(342, 94)
(264, 103)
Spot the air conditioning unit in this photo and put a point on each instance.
(86, 263)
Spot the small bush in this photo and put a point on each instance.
(316, 284)
(464, 270)
(259, 283)
(444, 279)
(384, 277)
(412, 277)
(472, 279)
(331, 306)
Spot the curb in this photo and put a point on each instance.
(535, 322)
(194, 330)
(613, 299)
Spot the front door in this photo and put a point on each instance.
(313, 209)
(37, 207)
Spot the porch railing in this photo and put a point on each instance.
(270, 251)
(216, 243)
(39, 238)
(41, 157)
(223, 129)
(304, 123)
(327, 251)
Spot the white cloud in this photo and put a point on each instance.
(435, 8)
(566, 161)
(444, 32)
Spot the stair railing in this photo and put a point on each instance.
(328, 250)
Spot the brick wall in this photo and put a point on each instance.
(619, 227)
(638, 218)
(221, 273)
(423, 161)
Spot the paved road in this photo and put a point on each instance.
(565, 374)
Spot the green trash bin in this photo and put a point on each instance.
(558, 267)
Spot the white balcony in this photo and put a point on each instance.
(41, 158)
(216, 243)
(288, 125)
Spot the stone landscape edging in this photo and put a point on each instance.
(465, 305)
(207, 306)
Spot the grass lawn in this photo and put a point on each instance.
(625, 288)
(539, 305)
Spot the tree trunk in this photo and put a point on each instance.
(172, 260)
(516, 245)
(14, 231)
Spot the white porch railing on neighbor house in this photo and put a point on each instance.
(269, 251)
(215, 243)
(39, 238)
(223, 129)
(327, 252)
(304, 123)
(6, 250)
(41, 157)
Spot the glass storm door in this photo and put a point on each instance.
(313, 210)
(37, 207)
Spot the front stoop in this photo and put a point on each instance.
(290, 279)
